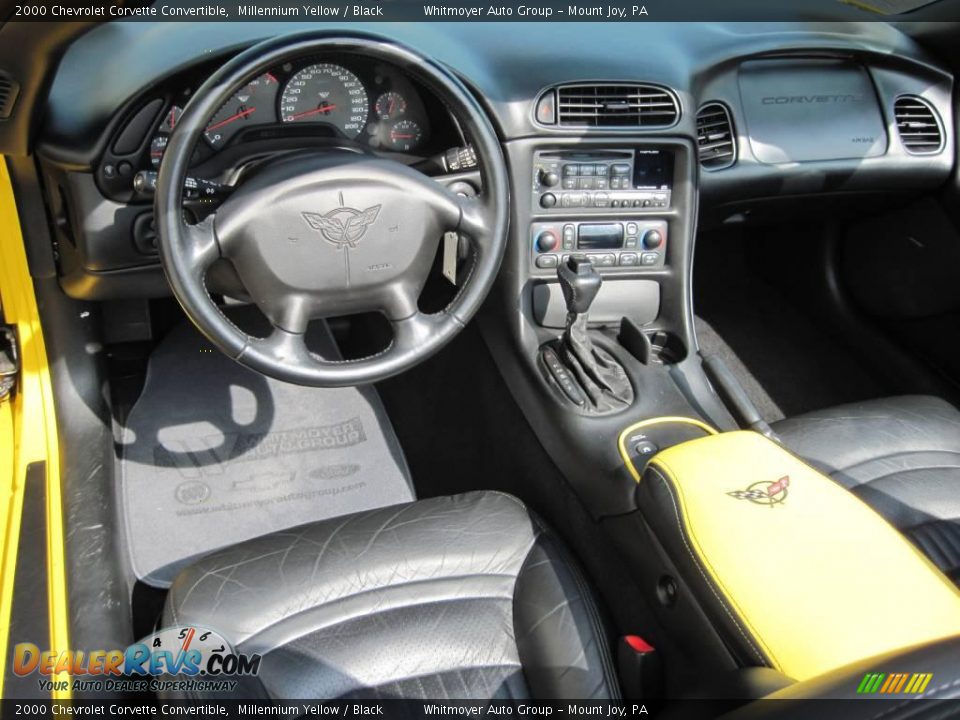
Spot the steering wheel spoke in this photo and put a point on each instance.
(200, 245)
(475, 221)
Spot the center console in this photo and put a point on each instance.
(581, 373)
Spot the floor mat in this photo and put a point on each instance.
(797, 364)
(213, 453)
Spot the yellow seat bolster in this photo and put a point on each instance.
(817, 577)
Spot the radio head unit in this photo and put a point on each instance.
(601, 179)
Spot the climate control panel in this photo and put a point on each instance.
(620, 244)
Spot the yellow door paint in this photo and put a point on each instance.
(814, 576)
(28, 434)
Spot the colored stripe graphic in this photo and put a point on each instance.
(894, 683)
(870, 683)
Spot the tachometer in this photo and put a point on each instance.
(252, 104)
(326, 93)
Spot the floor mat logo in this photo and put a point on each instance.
(210, 455)
(764, 492)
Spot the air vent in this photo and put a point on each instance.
(918, 125)
(616, 106)
(716, 143)
(8, 95)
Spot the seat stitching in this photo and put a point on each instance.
(929, 694)
(371, 613)
(697, 564)
(902, 453)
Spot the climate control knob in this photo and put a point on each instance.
(547, 241)
(652, 239)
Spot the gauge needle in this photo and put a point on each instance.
(322, 108)
(230, 119)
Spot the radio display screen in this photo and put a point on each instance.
(653, 169)
(600, 236)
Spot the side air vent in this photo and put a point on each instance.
(716, 142)
(8, 95)
(918, 125)
(616, 106)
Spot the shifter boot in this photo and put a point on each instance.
(602, 379)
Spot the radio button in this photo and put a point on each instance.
(569, 183)
(586, 170)
(629, 259)
(569, 170)
(601, 183)
(548, 200)
(621, 169)
(547, 261)
(587, 183)
(549, 178)
(601, 200)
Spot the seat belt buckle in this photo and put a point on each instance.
(640, 669)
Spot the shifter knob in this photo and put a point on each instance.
(580, 283)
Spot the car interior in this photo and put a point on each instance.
(504, 360)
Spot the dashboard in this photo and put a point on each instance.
(805, 117)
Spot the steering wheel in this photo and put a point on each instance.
(319, 234)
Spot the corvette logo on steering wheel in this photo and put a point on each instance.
(343, 226)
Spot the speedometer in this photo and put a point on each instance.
(326, 93)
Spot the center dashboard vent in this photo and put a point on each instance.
(716, 142)
(616, 106)
(918, 125)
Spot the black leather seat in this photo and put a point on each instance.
(899, 455)
(455, 597)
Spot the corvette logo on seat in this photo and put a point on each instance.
(764, 492)
(343, 226)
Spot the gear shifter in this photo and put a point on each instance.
(580, 283)
(599, 375)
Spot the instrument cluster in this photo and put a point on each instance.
(361, 101)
